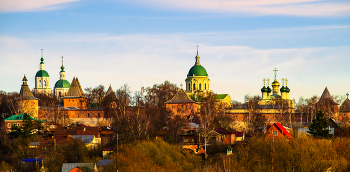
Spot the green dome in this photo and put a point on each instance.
(283, 89)
(264, 89)
(268, 89)
(197, 70)
(62, 84)
(42, 73)
(287, 89)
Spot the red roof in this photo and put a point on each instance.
(284, 131)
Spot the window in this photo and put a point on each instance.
(59, 94)
(194, 86)
(205, 86)
(40, 83)
(200, 86)
(44, 83)
(274, 133)
(88, 115)
(52, 126)
(233, 136)
(189, 86)
(8, 125)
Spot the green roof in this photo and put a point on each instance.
(221, 96)
(62, 84)
(20, 117)
(197, 70)
(283, 89)
(264, 89)
(42, 73)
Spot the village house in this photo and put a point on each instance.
(276, 130)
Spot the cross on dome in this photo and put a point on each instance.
(268, 81)
(264, 81)
(286, 81)
(275, 72)
(347, 95)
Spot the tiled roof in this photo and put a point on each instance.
(345, 106)
(284, 131)
(66, 167)
(326, 96)
(110, 90)
(17, 117)
(180, 97)
(239, 134)
(75, 89)
(223, 131)
(221, 96)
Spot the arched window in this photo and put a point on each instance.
(44, 83)
(189, 86)
(40, 83)
(194, 86)
(205, 86)
(59, 94)
(200, 86)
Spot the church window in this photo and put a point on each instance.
(205, 86)
(189, 86)
(40, 83)
(194, 86)
(59, 94)
(200, 86)
(44, 83)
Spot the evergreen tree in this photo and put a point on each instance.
(26, 130)
(319, 126)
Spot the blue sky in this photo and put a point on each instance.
(147, 42)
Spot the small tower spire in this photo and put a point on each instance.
(347, 95)
(42, 67)
(62, 67)
(197, 58)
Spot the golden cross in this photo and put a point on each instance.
(62, 60)
(347, 95)
(275, 72)
(197, 49)
(264, 81)
(282, 81)
(181, 85)
(286, 81)
(268, 81)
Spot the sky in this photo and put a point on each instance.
(145, 42)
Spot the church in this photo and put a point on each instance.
(187, 102)
(73, 102)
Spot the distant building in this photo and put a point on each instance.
(42, 79)
(27, 102)
(344, 110)
(62, 85)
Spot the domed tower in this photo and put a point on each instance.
(197, 78)
(42, 79)
(264, 91)
(283, 90)
(62, 85)
(275, 85)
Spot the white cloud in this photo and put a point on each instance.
(256, 7)
(31, 5)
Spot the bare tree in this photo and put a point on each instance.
(254, 111)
